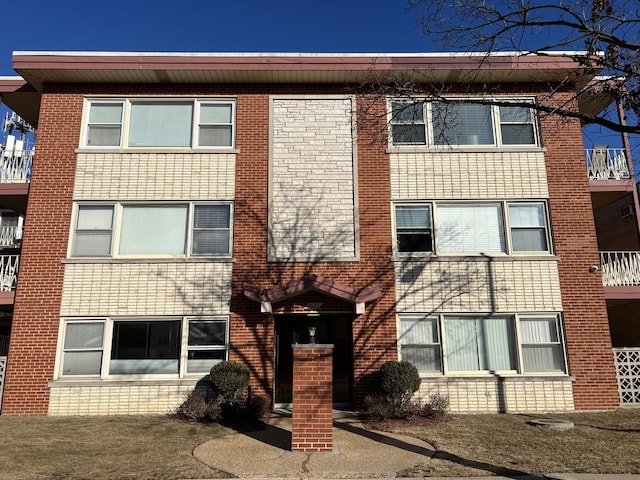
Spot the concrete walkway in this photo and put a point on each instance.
(358, 454)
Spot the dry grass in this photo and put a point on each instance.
(132, 448)
(473, 445)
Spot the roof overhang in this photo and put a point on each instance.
(39, 68)
(22, 98)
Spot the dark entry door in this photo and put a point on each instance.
(329, 329)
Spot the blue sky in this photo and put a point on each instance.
(211, 26)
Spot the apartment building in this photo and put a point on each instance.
(189, 208)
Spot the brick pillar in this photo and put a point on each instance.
(312, 426)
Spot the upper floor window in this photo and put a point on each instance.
(142, 123)
(471, 228)
(461, 123)
(105, 230)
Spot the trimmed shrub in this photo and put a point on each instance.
(399, 381)
(230, 381)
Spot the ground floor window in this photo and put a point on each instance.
(105, 347)
(467, 344)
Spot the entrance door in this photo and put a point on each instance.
(335, 330)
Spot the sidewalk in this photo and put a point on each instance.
(358, 454)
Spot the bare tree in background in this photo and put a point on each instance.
(607, 32)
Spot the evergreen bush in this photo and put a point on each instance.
(230, 381)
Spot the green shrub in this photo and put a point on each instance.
(230, 381)
(399, 381)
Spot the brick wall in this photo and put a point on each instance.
(585, 313)
(37, 306)
(312, 416)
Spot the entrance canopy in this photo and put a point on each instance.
(311, 282)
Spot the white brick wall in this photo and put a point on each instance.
(454, 175)
(146, 289)
(312, 176)
(493, 395)
(118, 398)
(478, 286)
(148, 176)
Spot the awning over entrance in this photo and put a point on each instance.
(277, 293)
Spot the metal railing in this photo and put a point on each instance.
(620, 269)
(15, 166)
(8, 272)
(606, 163)
(9, 235)
(3, 369)
(627, 362)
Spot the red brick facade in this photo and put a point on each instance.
(312, 416)
(574, 233)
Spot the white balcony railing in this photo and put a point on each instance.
(3, 369)
(620, 269)
(15, 166)
(606, 163)
(8, 272)
(9, 235)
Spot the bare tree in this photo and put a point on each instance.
(602, 36)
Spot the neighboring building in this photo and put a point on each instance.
(188, 208)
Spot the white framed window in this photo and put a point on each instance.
(541, 341)
(142, 347)
(160, 123)
(414, 232)
(462, 122)
(477, 344)
(83, 347)
(207, 343)
(152, 230)
(93, 231)
(419, 340)
(471, 228)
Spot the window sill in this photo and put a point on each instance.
(171, 150)
(482, 377)
(97, 260)
(546, 257)
(97, 382)
(464, 149)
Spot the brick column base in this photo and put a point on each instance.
(312, 422)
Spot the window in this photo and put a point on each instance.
(528, 227)
(413, 228)
(420, 343)
(153, 123)
(143, 346)
(207, 344)
(202, 229)
(541, 346)
(104, 127)
(471, 228)
(82, 350)
(461, 123)
(475, 344)
(93, 231)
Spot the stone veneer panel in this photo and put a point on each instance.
(478, 286)
(494, 395)
(470, 175)
(313, 179)
(118, 398)
(146, 289)
(163, 176)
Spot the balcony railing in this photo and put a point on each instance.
(620, 269)
(15, 166)
(9, 235)
(607, 163)
(8, 272)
